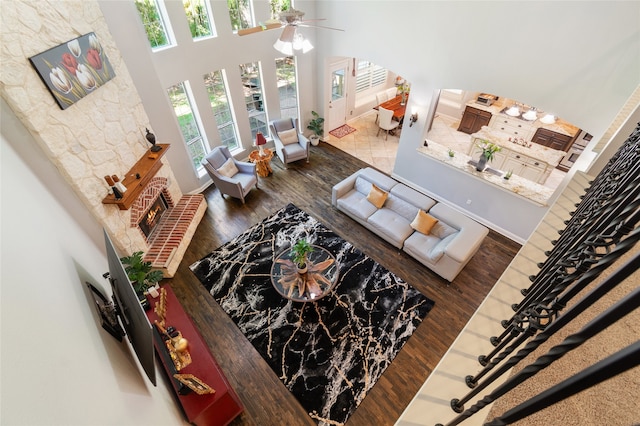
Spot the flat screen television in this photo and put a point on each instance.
(126, 310)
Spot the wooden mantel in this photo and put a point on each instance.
(146, 168)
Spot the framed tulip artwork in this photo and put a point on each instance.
(74, 69)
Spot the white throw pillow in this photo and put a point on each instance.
(228, 169)
(288, 136)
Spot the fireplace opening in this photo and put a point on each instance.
(150, 219)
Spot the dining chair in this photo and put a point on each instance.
(385, 121)
(380, 98)
(232, 177)
(391, 92)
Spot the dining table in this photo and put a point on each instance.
(397, 106)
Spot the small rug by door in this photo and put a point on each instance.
(342, 131)
(328, 353)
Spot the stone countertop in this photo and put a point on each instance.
(560, 126)
(548, 155)
(532, 191)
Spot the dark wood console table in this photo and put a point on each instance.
(145, 168)
(219, 408)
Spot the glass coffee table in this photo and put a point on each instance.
(320, 278)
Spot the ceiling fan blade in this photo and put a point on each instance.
(252, 30)
(320, 26)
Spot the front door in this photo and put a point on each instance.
(338, 100)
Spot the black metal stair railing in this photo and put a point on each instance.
(604, 320)
(604, 226)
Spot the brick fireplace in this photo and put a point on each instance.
(171, 235)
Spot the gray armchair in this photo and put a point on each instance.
(235, 184)
(291, 144)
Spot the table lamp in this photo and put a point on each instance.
(260, 142)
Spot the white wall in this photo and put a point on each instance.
(580, 60)
(58, 365)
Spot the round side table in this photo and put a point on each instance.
(263, 162)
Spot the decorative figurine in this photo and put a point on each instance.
(152, 140)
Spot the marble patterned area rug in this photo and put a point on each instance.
(342, 131)
(328, 353)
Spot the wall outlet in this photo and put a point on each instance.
(468, 202)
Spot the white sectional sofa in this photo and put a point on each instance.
(445, 249)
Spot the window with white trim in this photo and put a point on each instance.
(216, 85)
(287, 86)
(369, 75)
(241, 14)
(180, 96)
(155, 22)
(253, 98)
(198, 17)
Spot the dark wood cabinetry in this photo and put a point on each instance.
(552, 139)
(473, 119)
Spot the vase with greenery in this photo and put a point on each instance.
(299, 253)
(140, 273)
(316, 125)
(488, 152)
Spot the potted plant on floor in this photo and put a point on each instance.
(140, 273)
(299, 254)
(316, 125)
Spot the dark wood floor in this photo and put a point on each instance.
(308, 186)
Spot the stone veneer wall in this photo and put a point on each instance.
(102, 134)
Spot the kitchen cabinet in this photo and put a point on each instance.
(515, 127)
(473, 119)
(533, 169)
(552, 139)
(526, 167)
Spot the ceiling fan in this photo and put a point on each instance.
(290, 39)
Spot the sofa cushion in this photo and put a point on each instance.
(373, 176)
(356, 205)
(377, 196)
(442, 230)
(390, 224)
(404, 208)
(420, 246)
(414, 197)
(288, 137)
(228, 169)
(438, 251)
(423, 222)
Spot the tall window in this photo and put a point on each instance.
(198, 17)
(278, 6)
(369, 75)
(154, 21)
(240, 14)
(221, 107)
(287, 87)
(182, 107)
(252, 86)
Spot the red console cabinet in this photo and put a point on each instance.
(219, 408)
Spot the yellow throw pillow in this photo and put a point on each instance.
(423, 222)
(377, 196)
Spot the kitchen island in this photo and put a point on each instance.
(525, 159)
(525, 188)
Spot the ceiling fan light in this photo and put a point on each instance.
(283, 47)
(298, 40)
(306, 46)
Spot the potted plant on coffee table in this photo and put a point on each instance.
(316, 125)
(299, 254)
